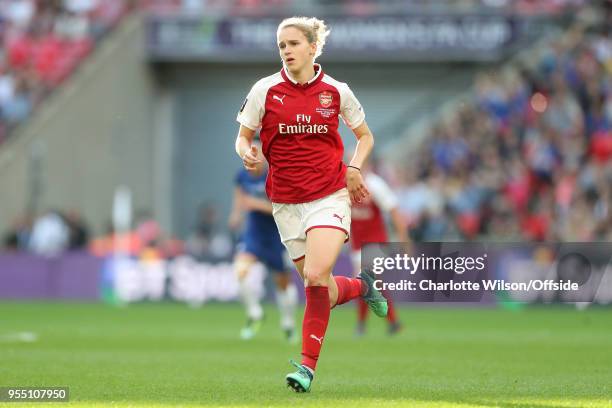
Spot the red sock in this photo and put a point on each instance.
(349, 288)
(316, 317)
(391, 316)
(362, 310)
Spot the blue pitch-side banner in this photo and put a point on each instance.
(481, 273)
(486, 272)
(380, 38)
(183, 279)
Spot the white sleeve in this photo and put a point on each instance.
(350, 108)
(382, 194)
(252, 109)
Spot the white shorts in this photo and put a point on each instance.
(295, 220)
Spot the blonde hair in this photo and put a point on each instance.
(313, 29)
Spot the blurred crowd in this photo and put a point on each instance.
(41, 43)
(54, 232)
(361, 7)
(209, 239)
(49, 234)
(528, 157)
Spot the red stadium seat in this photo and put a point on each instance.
(601, 146)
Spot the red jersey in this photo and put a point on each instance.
(367, 220)
(299, 133)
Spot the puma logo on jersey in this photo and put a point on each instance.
(338, 217)
(278, 98)
(319, 339)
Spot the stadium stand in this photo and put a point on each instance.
(527, 157)
(364, 7)
(42, 43)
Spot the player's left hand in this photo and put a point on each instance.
(356, 186)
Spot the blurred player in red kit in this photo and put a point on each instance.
(297, 111)
(368, 225)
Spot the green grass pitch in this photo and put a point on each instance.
(168, 355)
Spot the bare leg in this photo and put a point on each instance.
(323, 246)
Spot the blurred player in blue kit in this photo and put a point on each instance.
(260, 243)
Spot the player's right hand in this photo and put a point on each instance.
(250, 160)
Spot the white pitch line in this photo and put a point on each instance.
(19, 337)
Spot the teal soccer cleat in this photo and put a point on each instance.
(300, 380)
(376, 302)
(250, 329)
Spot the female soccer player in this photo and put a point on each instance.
(310, 188)
(368, 225)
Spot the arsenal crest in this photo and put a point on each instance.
(325, 98)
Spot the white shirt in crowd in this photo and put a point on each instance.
(50, 235)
